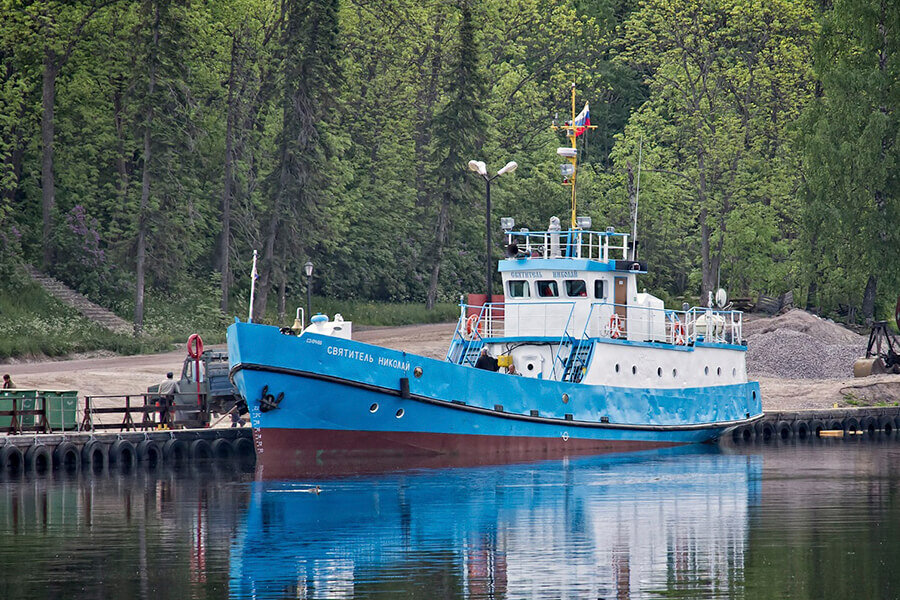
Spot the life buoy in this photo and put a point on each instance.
(678, 334)
(472, 325)
(615, 326)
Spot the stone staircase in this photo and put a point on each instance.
(70, 297)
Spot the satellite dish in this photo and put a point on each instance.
(721, 297)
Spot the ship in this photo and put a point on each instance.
(572, 359)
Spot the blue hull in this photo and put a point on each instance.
(345, 399)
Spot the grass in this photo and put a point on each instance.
(34, 324)
(361, 312)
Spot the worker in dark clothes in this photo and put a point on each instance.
(8, 383)
(486, 361)
(167, 390)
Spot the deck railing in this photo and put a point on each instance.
(594, 245)
(604, 320)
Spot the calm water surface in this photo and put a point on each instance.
(812, 520)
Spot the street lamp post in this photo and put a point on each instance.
(480, 168)
(308, 268)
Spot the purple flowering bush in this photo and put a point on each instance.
(81, 261)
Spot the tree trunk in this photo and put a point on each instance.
(282, 292)
(48, 185)
(438, 253)
(266, 268)
(225, 236)
(868, 303)
(121, 164)
(145, 185)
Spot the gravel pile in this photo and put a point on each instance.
(800, 345)
(796, 355)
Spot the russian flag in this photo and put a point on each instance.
(583, 120)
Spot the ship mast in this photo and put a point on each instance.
(572, 153)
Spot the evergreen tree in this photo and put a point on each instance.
(460, 129)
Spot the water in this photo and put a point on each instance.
(811, 520)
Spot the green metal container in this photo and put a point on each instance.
(62, 407)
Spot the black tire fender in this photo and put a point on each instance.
(12, 461)
(764, 430)
(243, 448)
(200, 450)
(801, 429)
(783, 430)
(175, 451)
(95, 456)
(66, 457)
(816, 427)
(851, 425)
(886, 424)
(222, 449)
(869, 425)
(149, 452)
(38, 459)
(123, 454)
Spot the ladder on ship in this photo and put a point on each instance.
(578, 360)
(466, 352)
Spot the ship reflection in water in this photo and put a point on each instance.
(668, 522)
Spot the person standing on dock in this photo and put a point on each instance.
(8, 382)
(167, 390)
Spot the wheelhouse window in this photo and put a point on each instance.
(547, 288)
(576, 288)
(518, 288)
(599, 288)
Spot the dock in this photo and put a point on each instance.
(810, 424)
(41, 454)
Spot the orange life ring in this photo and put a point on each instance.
(472, 325)
(615, 327)
(678, 334)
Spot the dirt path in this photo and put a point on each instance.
(132, 374)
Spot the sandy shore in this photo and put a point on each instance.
(132, 374)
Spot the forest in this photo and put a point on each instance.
(149, 147)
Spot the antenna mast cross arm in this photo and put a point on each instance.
(572, 132)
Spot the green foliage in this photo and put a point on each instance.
(350, 123)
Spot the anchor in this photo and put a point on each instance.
(268, 401)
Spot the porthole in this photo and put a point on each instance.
(719, 372)
(734, 372)
(706, 370)
(530, 366)
(659, 371)
(417, 372)
(373, 408)
(617, 367)
(400, 413)
(565, 398)
(674, 372)
(634, 369)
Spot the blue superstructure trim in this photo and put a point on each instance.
(511, 265)
(722, 346)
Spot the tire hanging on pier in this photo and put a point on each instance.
(222, 449)
(816, 427)
(869, 426)
(886, 424)
(200, 450)
(12, 461)
(95, 456)
(175, 452)
(123, 454)
(765, 430)
(66, 458)
(851, 425)
(38, 459)
(244, 449)
(149, 452)
(783, 430)
(801, 429)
